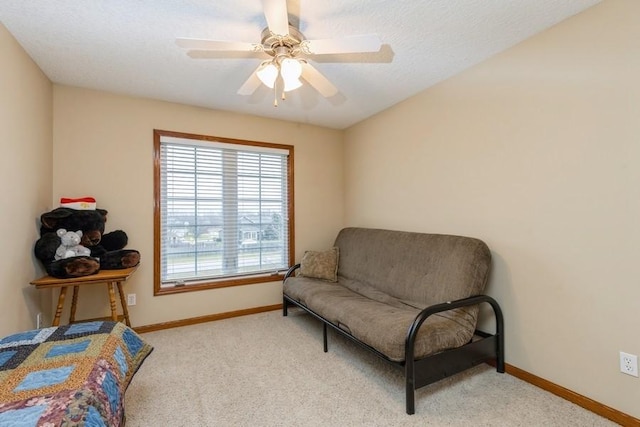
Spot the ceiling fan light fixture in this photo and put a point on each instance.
(268, 73)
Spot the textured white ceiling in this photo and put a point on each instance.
(128, 47)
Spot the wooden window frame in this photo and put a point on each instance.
(223, 281)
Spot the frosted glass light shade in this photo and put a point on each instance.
(291, 84)
(268, 74)
(290, 69)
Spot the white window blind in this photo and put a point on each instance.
(223, 210)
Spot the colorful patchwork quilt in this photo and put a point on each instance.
(72, 375)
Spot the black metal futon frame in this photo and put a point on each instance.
(483, 347)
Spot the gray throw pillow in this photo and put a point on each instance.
(320, 264)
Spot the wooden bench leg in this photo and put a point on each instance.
(125, 310)
(56, 318)
(74, 304)
(112, 302)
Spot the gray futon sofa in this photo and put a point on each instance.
(411, 298)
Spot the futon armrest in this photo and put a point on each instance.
(450, 305)
(290, 271)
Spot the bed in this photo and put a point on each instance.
(71, 375)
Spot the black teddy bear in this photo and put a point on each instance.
(107, 251)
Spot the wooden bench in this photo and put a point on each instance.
(112, 278)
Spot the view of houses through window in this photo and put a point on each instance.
(222, 210)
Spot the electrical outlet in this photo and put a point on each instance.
(131, 299)
(629, 364)
(38, 320)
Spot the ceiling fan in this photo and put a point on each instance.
(287, 50)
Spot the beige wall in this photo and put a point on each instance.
(25, 180)
(535, 151)
(103, 147)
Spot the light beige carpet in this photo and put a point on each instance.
(270, 370)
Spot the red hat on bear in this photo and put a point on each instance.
(82, 203)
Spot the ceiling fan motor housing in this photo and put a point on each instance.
(278, 45)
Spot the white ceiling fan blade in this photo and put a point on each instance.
(218, 45)
(250, 86)
(218, 54)
(317, 80)
(277, 18)
(352, 44)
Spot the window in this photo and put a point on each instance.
(223, 212)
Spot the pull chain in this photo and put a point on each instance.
(275, 93)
